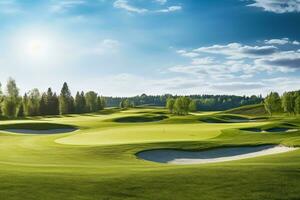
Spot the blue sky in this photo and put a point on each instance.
(130, 47)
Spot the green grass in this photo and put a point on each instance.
(98, 161)
(251, 110)
(35, 126)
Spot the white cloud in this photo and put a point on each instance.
(296, 42)
(287, 61)
(210, 69)
(238, 51)
(170, 9)
(277, 6)
(203, 61)
(238, 86)
(187, 54)
(238, 65)
(65, 5)
(281, 41)
(161, 1)
(123, 4)
(278, 41)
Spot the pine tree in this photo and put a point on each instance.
(25, 105)
(21, 111)
(65, 100)
(49, 102)
(71, 105)
(44, 109)
(101, 103)
(80, 103)
(55, 105)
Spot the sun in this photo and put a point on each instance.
(37, 47)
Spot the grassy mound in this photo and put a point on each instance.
(140, 119)
(212, 119)
(273, 128)
(251, 110)
(224, 118)
(36, 126)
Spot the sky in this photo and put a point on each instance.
(130, 47)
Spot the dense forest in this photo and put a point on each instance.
(203, 102)
(34, 102)
(289, 103)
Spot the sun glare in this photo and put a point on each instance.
(37, 47)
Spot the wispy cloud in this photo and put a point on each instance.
(281, 41)
(187, 54)
(277, 6)
(289, 60)
(238, 51)
(161, 1)
(235, 62)
(233, 86)
(65, 5)
(125, 5)
(170, 9)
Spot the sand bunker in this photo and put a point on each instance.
(212, 155)
(49, 131)
(270, 130)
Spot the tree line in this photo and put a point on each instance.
(289, 103)
(203, 102)
(34, 103)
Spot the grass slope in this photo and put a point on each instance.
(98, 161)
(251, 110)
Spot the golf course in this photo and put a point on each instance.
(149, 100)
(97, 156)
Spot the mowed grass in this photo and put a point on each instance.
(98, 161)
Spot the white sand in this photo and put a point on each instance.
(291, 130)
(49, 131)
(211, 156)
(264, 131)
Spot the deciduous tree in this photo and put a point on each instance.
(11, 100)
(272, 103)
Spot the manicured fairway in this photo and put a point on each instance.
(98, 160)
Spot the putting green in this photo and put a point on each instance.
(143, 134)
